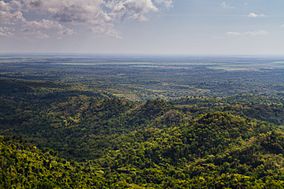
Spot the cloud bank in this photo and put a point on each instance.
(42, 18)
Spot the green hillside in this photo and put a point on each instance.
(56, 135)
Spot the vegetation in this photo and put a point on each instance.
(56, 132)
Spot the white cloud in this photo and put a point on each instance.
(5, 32)
(234, 33)
(256, 33)
(255, 15)
(248, 33)
(226, 5)
(62, 17)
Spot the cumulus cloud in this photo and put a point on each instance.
(64, 17)
(248, 33)
(255, 15)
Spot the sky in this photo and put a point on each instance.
(164, 27)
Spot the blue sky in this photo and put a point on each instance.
(188, 27)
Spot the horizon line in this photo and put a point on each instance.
(136, 54)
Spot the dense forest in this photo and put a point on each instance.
(58, 134)
(128, 122)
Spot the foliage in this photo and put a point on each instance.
(59, 135)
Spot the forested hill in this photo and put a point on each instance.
(56, 135)
(25, 166)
